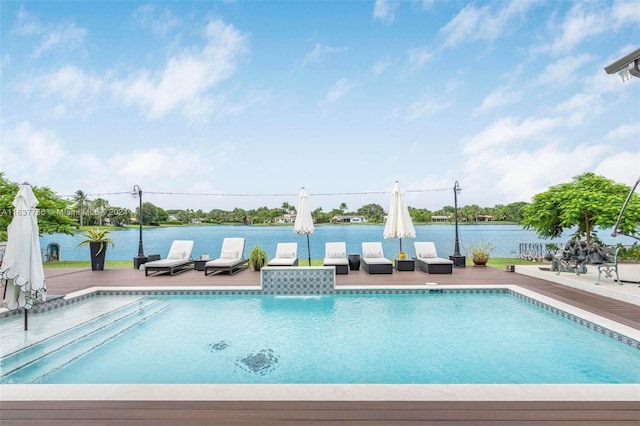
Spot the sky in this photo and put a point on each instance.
(216, 105)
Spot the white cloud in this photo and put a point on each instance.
(625, 12)
(52, 36)
(585, 20)
(187, 77)
(338, 90)
(199, 110)
(27, 24)
(418, 57)
(622, 167)
(319, 52)
(385, 10)
(483, 23)
(563, 71)
(157, 164)
(580, 108)
(159, 22)
(72, 89)
(624, 131)
(425, 106)
(508, 130)
(500, 97)
(499, 173)
(66, 36)
(426, 4)
(27, 151)
(429, 103)
(380, 67)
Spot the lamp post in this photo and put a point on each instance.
(141, 258)
(459, 261)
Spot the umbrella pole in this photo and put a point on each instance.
(400, 245)
(309, 249)
(26, 320)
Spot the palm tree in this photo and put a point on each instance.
(343, 207)
(99, 205)
(82, 201)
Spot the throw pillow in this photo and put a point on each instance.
(427, 254)
(229, 254)
(176, 255)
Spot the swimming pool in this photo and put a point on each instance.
(389, 337)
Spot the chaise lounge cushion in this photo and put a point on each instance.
(336, 255)
(286, 255)
(373, 260)
(178, 260)
(428, 261)
(231, 258)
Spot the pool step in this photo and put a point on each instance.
(60, 349)
(35, 350)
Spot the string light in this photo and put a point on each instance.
(206, 194)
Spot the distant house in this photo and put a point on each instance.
(348, 219)
(285, 218)
(485, 218)
(440, 219)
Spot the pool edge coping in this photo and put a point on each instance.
(323, 392)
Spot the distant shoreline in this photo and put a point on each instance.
(175, 225)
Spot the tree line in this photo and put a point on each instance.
(587, 202)
(98, 212)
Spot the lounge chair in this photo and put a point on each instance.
(178, 260)
(336, 255)
(427, 259)
(373, 260)
(286, 255)
(231, 258)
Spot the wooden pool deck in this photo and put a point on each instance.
(357, 412)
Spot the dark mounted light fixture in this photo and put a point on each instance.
(626, 66)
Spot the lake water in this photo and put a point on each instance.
(208, 239)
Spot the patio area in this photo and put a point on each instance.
(609, 299)
(369, 406)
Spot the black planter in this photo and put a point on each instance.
(354, 262)
(97, 259)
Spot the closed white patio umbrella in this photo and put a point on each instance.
(304, 222)
(21, 272)
(399, 223)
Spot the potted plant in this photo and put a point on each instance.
(257, 257)
(480, 252)
(97, 240)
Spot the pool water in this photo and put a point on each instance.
(357, 338)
